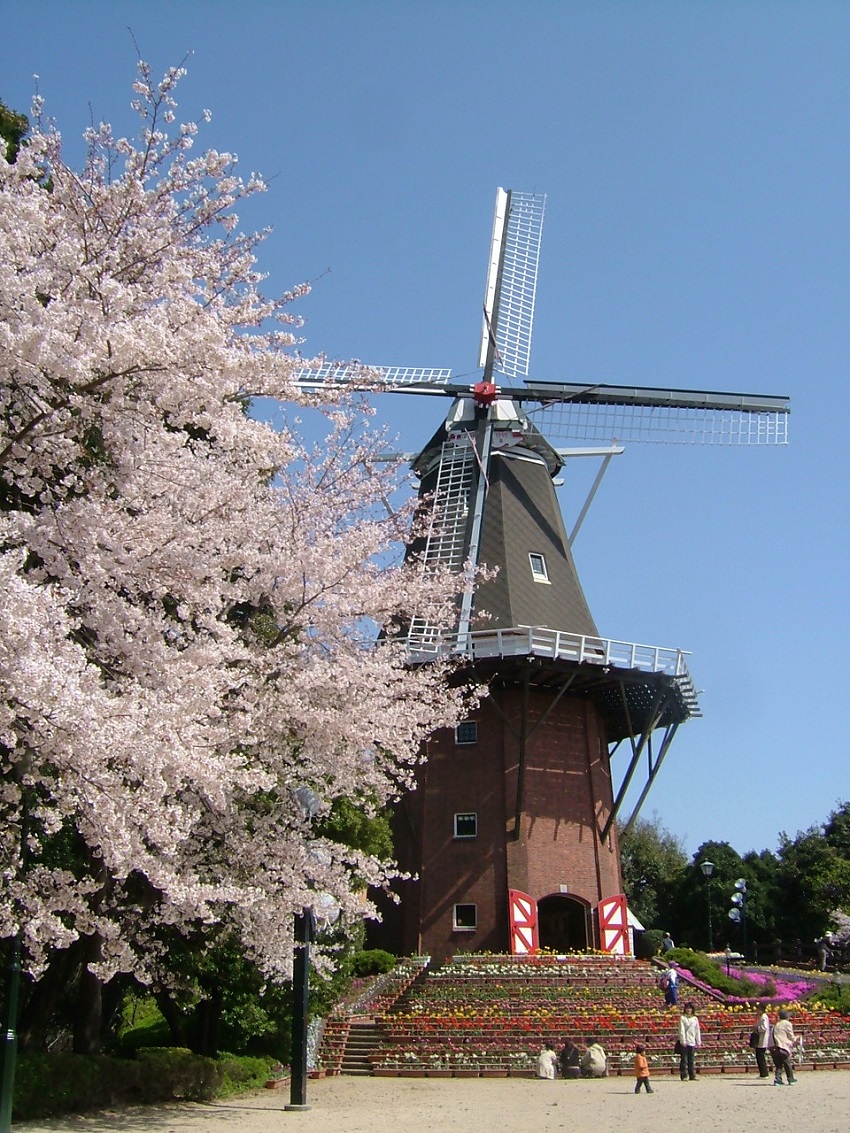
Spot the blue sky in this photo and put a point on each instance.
(695, 157)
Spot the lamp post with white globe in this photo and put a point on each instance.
(738, 912)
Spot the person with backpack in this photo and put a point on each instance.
(760, 1041)
(669, 984)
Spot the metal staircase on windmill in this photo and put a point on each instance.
(512, 833)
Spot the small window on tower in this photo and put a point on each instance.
(465, 918)
(466, 825)
(467, 732)
(538, 568)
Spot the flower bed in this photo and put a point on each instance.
(493, 1014)
(380, 993)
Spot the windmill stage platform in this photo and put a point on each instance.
(626, 679)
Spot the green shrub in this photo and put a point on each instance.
(241, 1073)
(713, 975)
(51, 1084)
(179, 1073)
(372, 962)
(47, 1084)
(153, 1032)
(831, 995)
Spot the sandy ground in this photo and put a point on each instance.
(818, 1103)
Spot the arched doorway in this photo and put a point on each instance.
(563, 923)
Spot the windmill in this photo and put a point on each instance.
(511, 834)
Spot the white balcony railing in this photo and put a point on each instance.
(540, 641)
(557, 645)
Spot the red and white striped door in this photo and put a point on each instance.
(522, 915)
(614, 925)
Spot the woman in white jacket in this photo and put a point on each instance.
(782, 1043)
(762, 1042)
(689, 1039)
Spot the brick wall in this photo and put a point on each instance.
(566, 798)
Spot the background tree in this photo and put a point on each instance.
(188, 599)
(653, 862)
(695, 894)
(792, 896)
(13, 130)
(836, 831)
(764, 895)
(813, 878)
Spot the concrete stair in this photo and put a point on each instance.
(364, 1039)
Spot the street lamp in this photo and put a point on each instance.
(305, 931)
(707, 868)
(9, 1051)
(738, 912)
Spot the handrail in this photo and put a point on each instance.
(540, 641)
(556, 645)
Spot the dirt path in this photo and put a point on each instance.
(819, 1103)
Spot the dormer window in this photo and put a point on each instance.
(538, 567)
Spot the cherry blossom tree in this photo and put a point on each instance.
(189, 599)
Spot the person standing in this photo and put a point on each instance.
(671, 987)
(822, 946)
(667, 944)
(761, 1033)
(547, 1060)
(641, 1070)
(689, 1039)
(782, 1049)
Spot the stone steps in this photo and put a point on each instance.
(364, 1039)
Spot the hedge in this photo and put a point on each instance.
(51, 1084)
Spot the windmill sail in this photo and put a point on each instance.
(511, 286)
(601, 413)
(341, 375)
(446, 540)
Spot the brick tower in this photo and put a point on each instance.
(510, 832)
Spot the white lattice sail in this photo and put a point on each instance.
(601, 413)
(333, 375)
(511, 286)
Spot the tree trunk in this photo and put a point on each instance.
(89, 1014)
(208, 1017)
(41, 1000)
(173, 1016)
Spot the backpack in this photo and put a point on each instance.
(664, 981)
